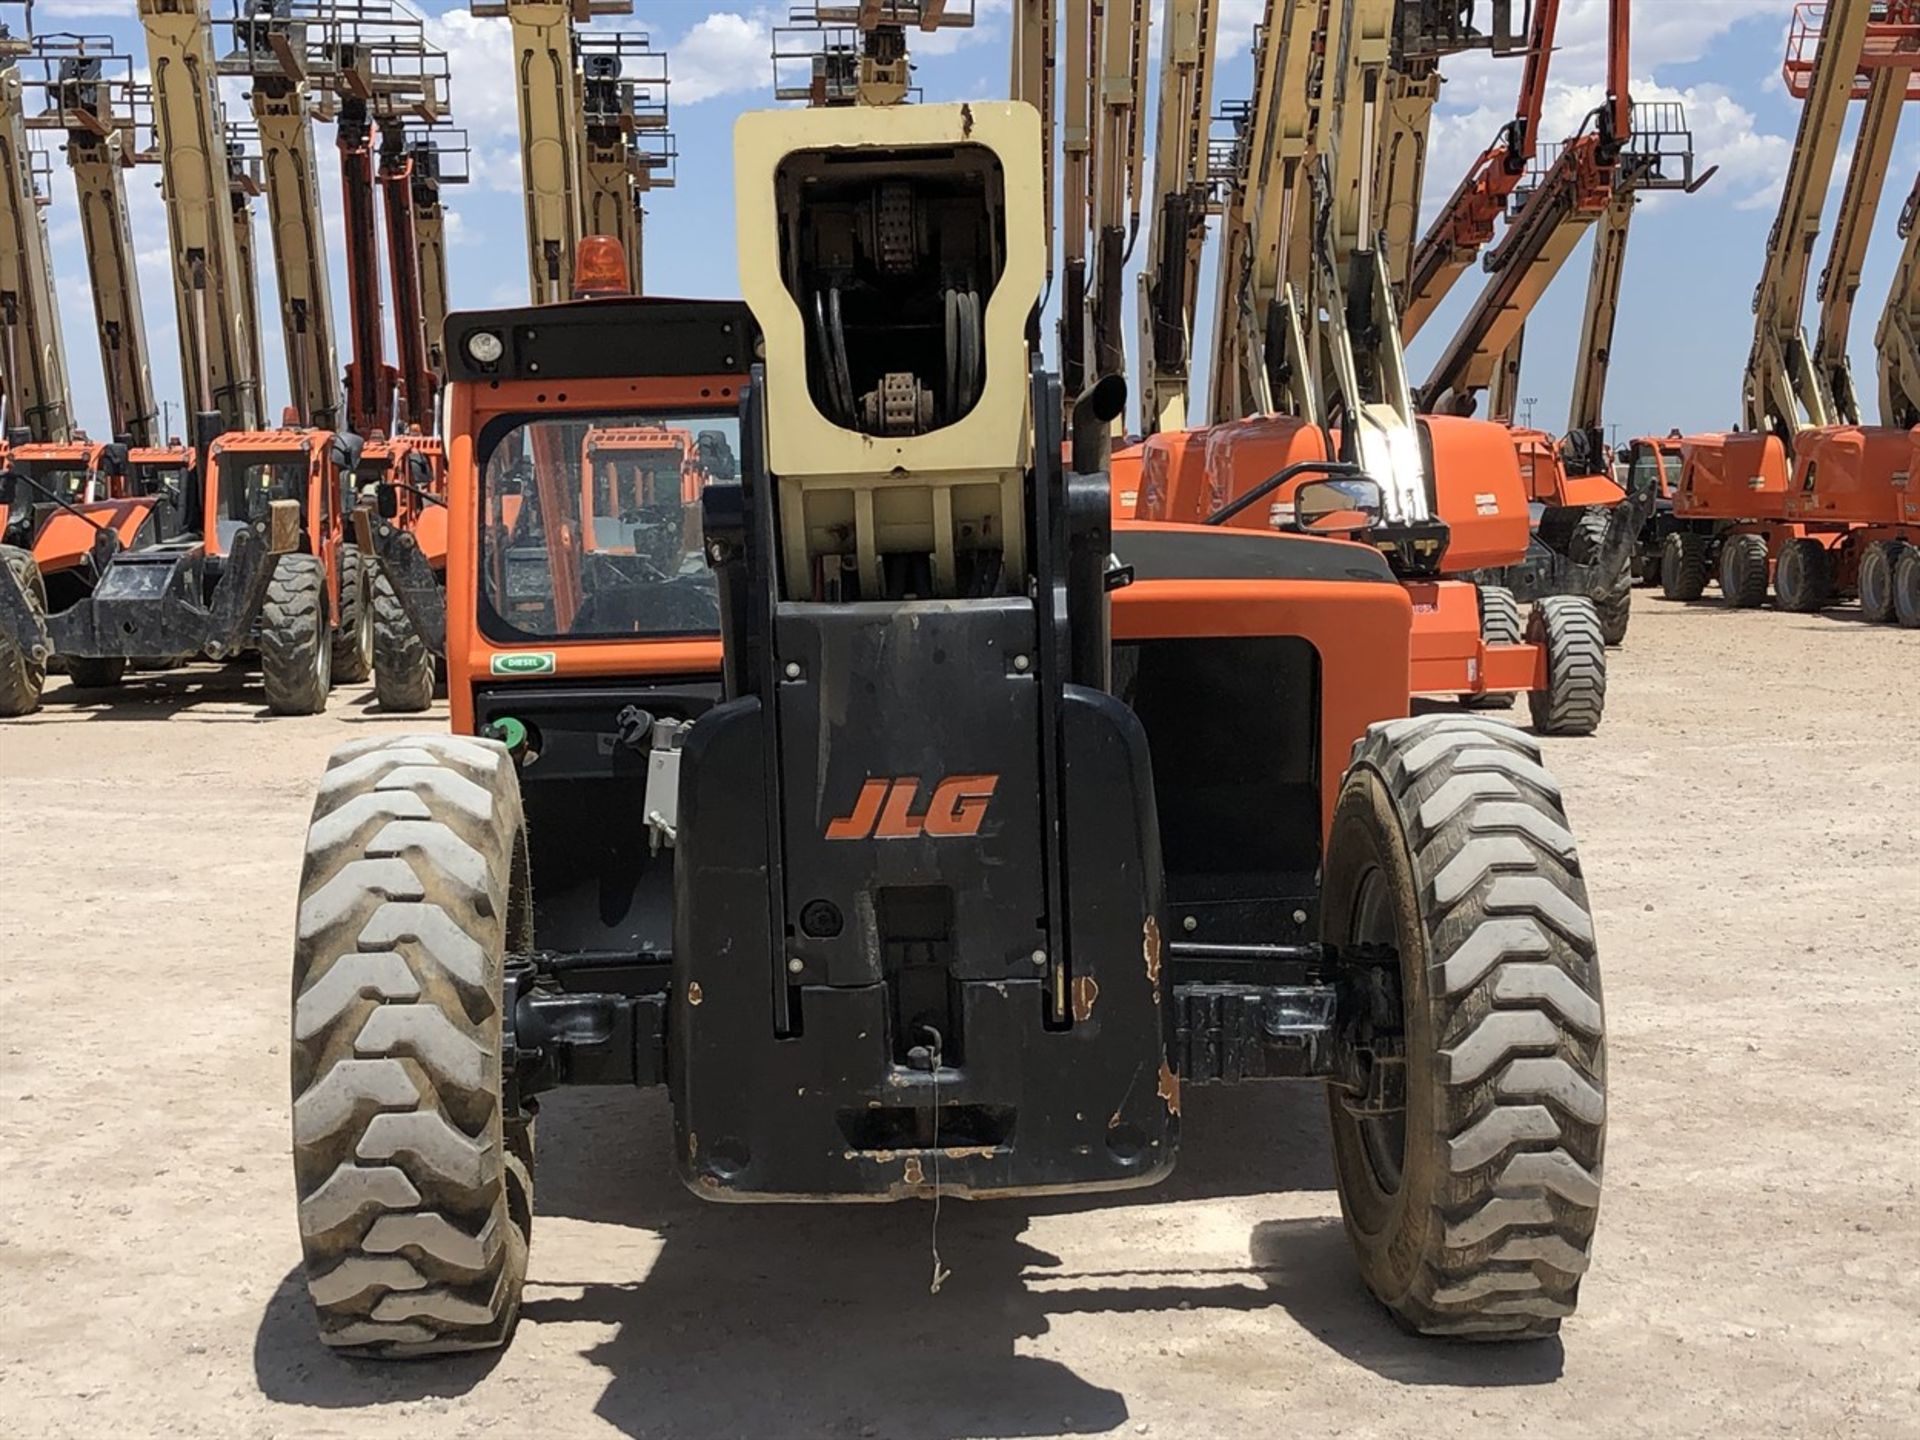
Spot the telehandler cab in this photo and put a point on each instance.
(978, 828)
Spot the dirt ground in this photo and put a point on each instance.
(1749, 817)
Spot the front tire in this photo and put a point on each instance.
(1585, 546)
(1877, 565)
(22, 677)
(402, 663)
(414, 1180)
(353, 637)
(1803, 580)
(1683, 566)
(1906, 589)
(1499, 625)
(1743, 571)
(1471, 1209)
(1575, 699)
(296, 643)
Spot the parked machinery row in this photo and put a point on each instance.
(272, 529)
(1804, 497)
(1317, 187)
(255, 553)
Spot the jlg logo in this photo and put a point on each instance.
(884, 810)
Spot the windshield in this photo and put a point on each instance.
(55, 477)
(1651, 468)
(250, 481)
(590, 526)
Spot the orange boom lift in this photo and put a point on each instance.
(1803, 493)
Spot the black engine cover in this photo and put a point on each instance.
(889, 978)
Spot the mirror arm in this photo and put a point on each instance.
(1336, 469)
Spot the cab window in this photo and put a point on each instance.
(590, 525)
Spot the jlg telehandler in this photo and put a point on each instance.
(66, 508)
(981, 828)
(265, 564)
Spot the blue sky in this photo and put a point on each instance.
(1685, 322)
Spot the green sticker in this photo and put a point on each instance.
(524, 662)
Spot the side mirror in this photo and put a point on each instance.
(386, 501)
(1341, 506)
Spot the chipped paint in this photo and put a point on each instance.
(1169, 1088)
(693, 1146)
(1086, 990)
(693, 992)
(913, 1174)
(968, 1152)
(1150, 948)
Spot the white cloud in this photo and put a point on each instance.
(78, 10)
(724, 54)
(480, 60)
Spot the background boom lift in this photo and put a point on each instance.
(1820, 508)
(1465, 224)
(277, 46)
(1426, 33)
(1182, 201)
(547, 89)
(1852, 229)
(94, 102)
(1260, 360)
(33, 362)
(219, 346)
(1897, 340)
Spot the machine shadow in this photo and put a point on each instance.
(817, 1320)
(292, 1367)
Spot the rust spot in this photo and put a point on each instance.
(1169, 1088)
(707, 1182)
(693, 991)
(1150, 948)
(913, 1174)
(1086, 990)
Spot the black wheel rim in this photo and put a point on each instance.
(1383, 1139)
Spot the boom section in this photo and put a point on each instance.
(33, 361)
(96, 105)
(1898, 337)
(1783, 391)
(219, 352)
(1852, 230)
(1170, 282)
(276, 49)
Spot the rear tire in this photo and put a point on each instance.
(101, 672)
(402, 663)
(1474, 1215)
(22, 678)
(1499, 625)
(1906, 589)
(1877, 565)
(1803, 580)
(1575, 699)
(296, 644)
(1743, 571)
(353, 638)
(1683, 566)
(1584, 547)
(414, 1181)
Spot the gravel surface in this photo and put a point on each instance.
(1749, 817)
